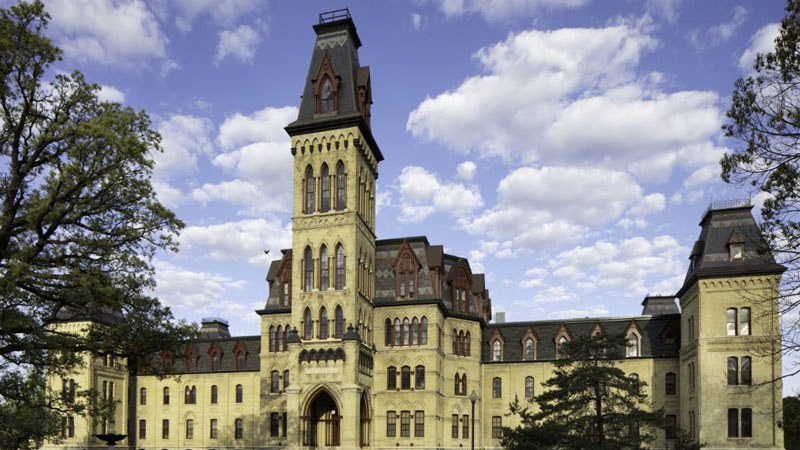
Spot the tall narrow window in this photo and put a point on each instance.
(285, 379)
(238, 429)
(464, 383)
(272, 341)
(671, 388)
(189, 429)
(309, 270)
(529, 353)
(391, 424)
(457, 385)
(405, 423)
(633, 345)
(419, 378)
(274, 424)
(274, 382)
(339, 267)
(467, 343)
(239, 393)
(465, 426)
(397, 333)
(731, 316)
(528, 387)
(215, 361)
(166, 396)
(142, 429)
(323, 323)
(324, 269)
(338, 330)
(405, 378)
(391, 378)
(415, 331)
(744, 322)
(325, 181)
(497, 427)
(671, 426)
(308, 325)
(561, 351)
(747, 422)
(424, 332)
(309, 190)
(143, 396)
(212, 429)
(279, 336)
(406, 331)
(240, 364)
(214, 394)
(326, 96)
(746, 372)
(497, 353)
(419, 423)
(733, 370)
(454, 427)
(497, 387)
(387, 330)
(165, 429)
(402, 284)
(341, 184)
(733, 422)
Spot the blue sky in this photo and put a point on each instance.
(568, 148)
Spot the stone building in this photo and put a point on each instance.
(386, 343)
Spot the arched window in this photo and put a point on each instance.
(215, 361)
(634, 377)
(406, 331)
(464, 384)
(528, 387)
(285, 379)
(325, 181)
(744, 322)
(405, 378)
(561, 352)
(341, 185)
(274, 382)
(529, 350)
(214, 394)
(397, 333)
(388, 332)
(285, 336)
(339, 267)
(143, 396)
(497, 352)
(239, 393)
(419, 377)
(415, 331)
(423, 339)
(457, 385)
(279, 340)
(190, 395)
(391, 378)
(323, 323)
(309, 206)
(308, 261)
(326, 95)
(240, 363)
(467, 344)
(497, 387)
(671, 383)
(732, 316)
(338, 330)
(462, 348)
(455, 342)
(166, 396)
(308, 325)
(633, 345)
(324, 269)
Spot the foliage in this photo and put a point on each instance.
(764, 117)
(589, 403)
(685, 442)
(791, 423)
(79, 225)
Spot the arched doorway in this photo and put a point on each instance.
(364, 430)
(321, 421)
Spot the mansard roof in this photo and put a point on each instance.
(651, 328)
(202, 348)
(724, 224)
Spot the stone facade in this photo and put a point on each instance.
(381, 343)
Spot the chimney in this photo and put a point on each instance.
(214, 327)
(500, 316)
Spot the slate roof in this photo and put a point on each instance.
(722, 226)
(226, 345)
(651, 327)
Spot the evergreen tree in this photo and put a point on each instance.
(79, 225)
(589, 403)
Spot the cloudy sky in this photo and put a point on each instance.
(567, 147)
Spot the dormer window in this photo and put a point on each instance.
(737, 252)
(326, 96)
(406, 266)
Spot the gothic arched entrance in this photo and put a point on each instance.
(321, 421)
(364, 430)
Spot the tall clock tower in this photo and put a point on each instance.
(333, 244)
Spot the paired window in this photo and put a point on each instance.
(692, 424)
(497, 387)
(528, 387)
(738, 322)
(68, 427)
(737, 376)
(460, 385)
(414, 332)
(740, 422)
(671, 382)
(190, 395)
(461, 300)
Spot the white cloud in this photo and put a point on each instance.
(241, 240)
(223, 12)
(666, 8)
(763, 41)
(422, 194)
(495, 10)
(717, 34)
(594, 311)
(534, 277)
(702, 175)
(110, 94)
(416, 20)
(181, 288)
(466, 170)
(240, 43)
(183, 137)
(124, 33)
(649, 204)
(382, 200)
(571, 96)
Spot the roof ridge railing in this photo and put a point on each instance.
(728, 203)
(214, 319)
(333, 16)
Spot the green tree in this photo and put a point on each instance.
(79, 226)
(791, 423)
(589, 403)
(764, 118)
